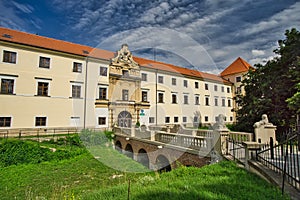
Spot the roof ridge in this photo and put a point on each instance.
(25, 38)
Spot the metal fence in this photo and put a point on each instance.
(283, 158)
(236, 150)
(41, 133)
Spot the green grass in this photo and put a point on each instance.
(81, 176)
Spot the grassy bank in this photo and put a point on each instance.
(80, 176)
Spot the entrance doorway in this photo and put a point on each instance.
(124, 119)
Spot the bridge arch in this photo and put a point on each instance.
(143, 158)
(129, 151)
(118, 146)
(162, 163)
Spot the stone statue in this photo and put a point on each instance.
(262, 122)
(220, 123)
(124, 57)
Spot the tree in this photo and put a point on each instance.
(271, 88)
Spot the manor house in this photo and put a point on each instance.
(52, 83)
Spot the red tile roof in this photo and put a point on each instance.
(86, 51)
(237, 66)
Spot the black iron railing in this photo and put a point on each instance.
(283, 158)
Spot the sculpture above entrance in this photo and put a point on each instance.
(124, 58)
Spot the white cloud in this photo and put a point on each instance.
(23, 7)
(286, 18)
(256, 52)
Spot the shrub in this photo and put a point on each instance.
(14, 152)
(96, 138)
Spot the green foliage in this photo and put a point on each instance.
(83, 177)
(269, 86)
(15, 152)
(137, 124)
(90, 138)
(219, 181)
(294, 101)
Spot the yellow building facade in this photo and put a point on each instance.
(47, 83)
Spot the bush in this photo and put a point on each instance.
(14, 152)
(96, 138)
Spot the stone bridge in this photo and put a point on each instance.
(160, 150)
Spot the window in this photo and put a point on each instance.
(216, 101)
(5, 121)
(215, 87)
(101, 120)
(174, 98)
(144, 96)
(185, 83)
(206, 118)
(207, 100)
(102, 93)
(216, 118)
(151, 120)
(206, 86)
(238, 79)
(7, 86)
(196, 85)
(144, 77)
(43, 89)
(160, 79)
(9, 57)
(40, 121)
(196, 119)
(197, 100)
(167, 119)
(228, 89)
(125, 95)
(77, 67)
(44, 62)
(229, 103)
(222, 89)
(231, 118)
(76, 91)
(103, 71)
(173, 81)
(223, 102)
(186, 99)
(125, 73)
(184, 119)
(160, 97)
(175, 119)
(238, 90)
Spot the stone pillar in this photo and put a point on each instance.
(220, 135)
(220, 140)
(152, 135)
(132, 131)
(264, 130)
(224, 143)
(250, 151)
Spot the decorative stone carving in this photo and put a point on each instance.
(220, 123)
(264, 121)
(124, 58)
(264, 130)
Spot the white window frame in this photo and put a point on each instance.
(11, 77)
(98, 90)
(45, 80)
(40, 116)
(81, 89)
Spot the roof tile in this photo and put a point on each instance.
(86, 51)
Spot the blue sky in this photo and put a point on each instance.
(206, 35)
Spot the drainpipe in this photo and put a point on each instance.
(156, 97)
(85, 93)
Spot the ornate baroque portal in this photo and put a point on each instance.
(124, 89)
